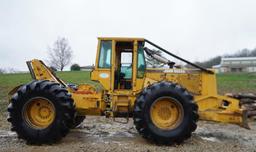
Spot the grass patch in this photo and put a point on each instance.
(236, 82)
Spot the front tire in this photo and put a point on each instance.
(165, 113)
(41, 112)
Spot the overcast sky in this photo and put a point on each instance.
(196, 30)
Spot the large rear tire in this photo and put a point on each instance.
(165, 113)
(41, 112)
(77, 121)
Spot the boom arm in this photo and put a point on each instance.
(39, 71)
(159, 57)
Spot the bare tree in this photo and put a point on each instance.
(60, 54)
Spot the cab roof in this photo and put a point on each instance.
(121, 38)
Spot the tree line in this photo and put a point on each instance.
(216, 60)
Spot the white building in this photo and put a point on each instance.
(238, 64)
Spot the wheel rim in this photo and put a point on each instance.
(166, 113)
(39, 113)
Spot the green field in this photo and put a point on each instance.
(236, 83)
(242, 82)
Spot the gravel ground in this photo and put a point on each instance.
(101, 134)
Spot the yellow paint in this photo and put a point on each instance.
(88, 100)
(134, 66)
(39, 113)
(104, 81)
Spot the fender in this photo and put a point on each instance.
(13, 91)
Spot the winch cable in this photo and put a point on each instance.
(177, 57)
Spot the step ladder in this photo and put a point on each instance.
(121, 108)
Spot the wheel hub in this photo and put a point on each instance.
(44, 112)
(166, 113)
(39, 113)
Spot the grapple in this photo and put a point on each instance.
(247, 102)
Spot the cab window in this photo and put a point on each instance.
(105, 54)
(141, 66)
(126, 64)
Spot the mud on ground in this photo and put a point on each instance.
(104, 135)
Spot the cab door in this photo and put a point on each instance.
(139, 66)
(103, 65)
(123, 65)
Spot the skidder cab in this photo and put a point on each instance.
(165, 104)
